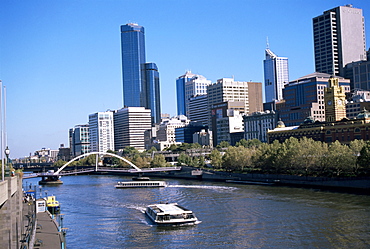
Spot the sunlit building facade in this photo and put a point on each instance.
(101, 131)
(276, 75)
(339, 39)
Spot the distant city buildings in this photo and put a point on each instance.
(256, 125)
(359, 74)
(101, 131)
(227, 89)
(227, 122)
(339, 39)
(327, 105)
(188, 86)
(304, 97)
(276, 75)
(140, 79)
(357, 102)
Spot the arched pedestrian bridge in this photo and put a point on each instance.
(135, 169)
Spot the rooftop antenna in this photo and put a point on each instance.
(267, 43)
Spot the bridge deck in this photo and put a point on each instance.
(102, 169)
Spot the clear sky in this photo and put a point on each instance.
(61, 60)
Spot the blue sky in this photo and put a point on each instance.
(60, 60)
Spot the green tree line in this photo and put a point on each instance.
(296, 157)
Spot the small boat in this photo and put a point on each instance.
(170, 214)
(141, 184)
(52, 205)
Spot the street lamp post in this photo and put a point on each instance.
(7, 152)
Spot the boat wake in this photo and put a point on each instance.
(203, 187)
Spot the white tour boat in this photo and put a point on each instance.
(141, 184)
(170, 214)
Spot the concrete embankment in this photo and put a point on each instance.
(20, 225)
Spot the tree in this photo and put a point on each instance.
(223, 144)
(158, 161)
(59, 163)
(356, 147)
(249, 143)
(339, 159)
(141, 162)
(363, 160)
(183, 159)
(238, 158)
(129, 151)
(216, 159)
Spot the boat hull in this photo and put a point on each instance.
(141, 184)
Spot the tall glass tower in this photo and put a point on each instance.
(276, 76)
(152, 95)
(140, 79)
(133, 64)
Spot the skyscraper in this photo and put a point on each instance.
(133, 64)
(152, 95)
(141, 86)
(276, 76)
(339, 38)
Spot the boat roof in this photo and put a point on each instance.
(169, 208)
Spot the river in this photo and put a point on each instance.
(98, 215)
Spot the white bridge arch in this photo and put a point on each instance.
(96, 153)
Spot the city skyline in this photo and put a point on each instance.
(60, 61)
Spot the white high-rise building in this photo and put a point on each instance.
(130, 124)
(276, 76)
(196, 86)
(101, 131)
(339, 39)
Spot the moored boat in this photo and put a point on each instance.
(52, 205)
(170, 214)
(141, 184)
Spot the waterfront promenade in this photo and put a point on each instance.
(48, 234)
(41, 229)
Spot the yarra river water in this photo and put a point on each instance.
(98, 215)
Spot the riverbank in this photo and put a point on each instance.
(353, 185)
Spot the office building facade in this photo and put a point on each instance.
(101, 131)
(227, 121)
(339, 39)
(257, 124)
(130, 124)
(198, 109)
(79, 140)
(276, 75)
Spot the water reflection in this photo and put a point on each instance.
(233, 216)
